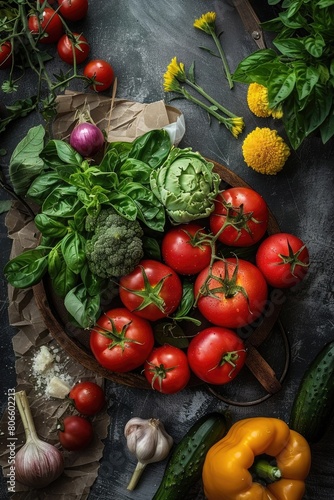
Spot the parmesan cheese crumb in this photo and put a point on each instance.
(57, 388)
(43, 360)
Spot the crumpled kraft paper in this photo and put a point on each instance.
(121, 119)
(81, 468)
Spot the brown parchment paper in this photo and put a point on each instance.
(121, 119)
(81, 468)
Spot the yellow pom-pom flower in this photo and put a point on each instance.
(257, 100)
(265, 151)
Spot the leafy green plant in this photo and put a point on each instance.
(299, 71)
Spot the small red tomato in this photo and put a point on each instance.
(186, 248)
(121, 340)
(88, 398)
(75, 433)
(167, 369)
(101, 73)
(73, 10)
(240, 216)
(70, 46)
(49, 27)
(152, 290)
(216, 355)
(5, 55)
(283, 259)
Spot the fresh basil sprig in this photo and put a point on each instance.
(299, 73)
(68, 188)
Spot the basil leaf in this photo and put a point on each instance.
(247, 70)
(281, 86)
(94, 284)
(62, 202)
(58, 152)
(25, 163)
(151, 148)
(49, 226)
(73, 250)
(27, 269)
(137, 170)
(83, 307)
(42, 186)
(62, 278)
(149, 209)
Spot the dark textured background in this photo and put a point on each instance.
(139, 39)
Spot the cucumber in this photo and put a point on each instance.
(184, 467)
(313, 406)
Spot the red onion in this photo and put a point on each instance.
(87, 139)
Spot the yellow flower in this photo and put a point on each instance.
(206, 22)
(235, 125)
(177, 69)
(257, 100)
(265, 151)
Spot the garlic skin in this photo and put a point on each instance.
(37, 463)
(148, 441)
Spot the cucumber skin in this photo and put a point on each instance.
(313, 407)
(184, 467)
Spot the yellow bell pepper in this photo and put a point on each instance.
(225, 471)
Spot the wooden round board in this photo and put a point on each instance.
(76, 343)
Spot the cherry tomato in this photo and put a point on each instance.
(73, 10)
(241, 214)
(216, 355)
(283, 259)
(233, 294)
(88, 398)
(186, 248)
(101, 73)
(50, 27)
(5, 55)
(75, 433)
(167, 369)
(152, 290)
(121, 340)
(77, 44)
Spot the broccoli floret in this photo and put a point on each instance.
(116, 246)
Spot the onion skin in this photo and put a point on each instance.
(87, 139)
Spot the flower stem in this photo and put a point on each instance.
(211, 111)
(201, 91)
(223, 58)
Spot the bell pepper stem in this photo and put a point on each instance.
(263, 469)
(136, 476)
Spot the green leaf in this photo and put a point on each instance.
(58, 152)
(315, 45)
(73, 250)
(5, 206)
(318, 108)
(248, 70)
(49, 226)
(62, 202)
(151, 148)
(280, 87)
(170, 333)
(149, 209)
(327, 127)
(136, 170)
(62, 278)
(25, 163)
(291, 47)
(83, 307)
(306, 78)
(27, 269)
(42, 186)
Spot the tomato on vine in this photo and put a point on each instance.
(101, 73)
(121, 340)
(73, 45)
(216, 355)
(75, 433)
(240, 217)
(73, 10)
(88, 397)
(5, 55)
(283, 259)
(49, 27)
(187, 248)
(152, 290)
(167, 369)
(232, 293)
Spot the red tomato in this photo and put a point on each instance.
(152, 290)
(75, 433)
(5, 55)
(78, 45)
(283, 259)
(167, 369)
(101, 73)
(186, 248)
(73, 10)
(88, 398)
(241, 215)
(121, 340)
(50, 26)
(216, 355)
(234, 293)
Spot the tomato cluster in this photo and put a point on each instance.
(49, 25)
(228, 292)
(76, 432)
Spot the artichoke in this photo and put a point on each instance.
(186, 185)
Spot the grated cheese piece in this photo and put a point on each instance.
(57, 388)
(43, 360)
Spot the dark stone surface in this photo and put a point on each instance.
(139, 39)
